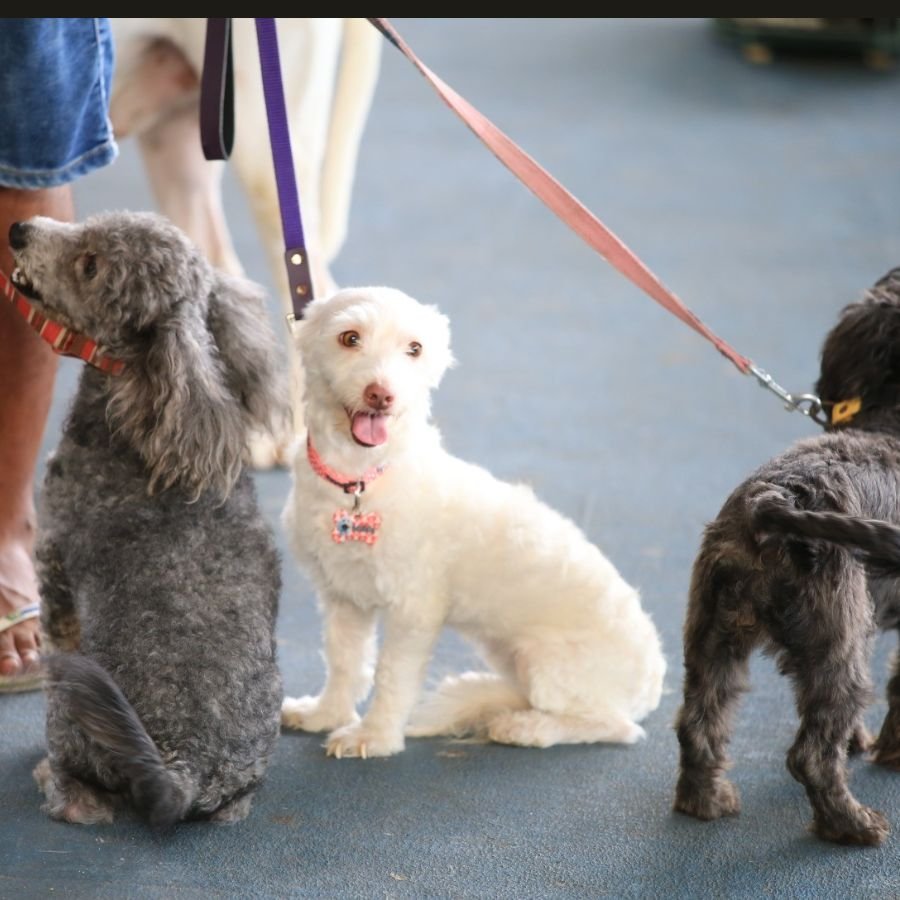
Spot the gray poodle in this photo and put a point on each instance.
(804, 561)
(159, 577)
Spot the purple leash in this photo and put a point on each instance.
(215, 99)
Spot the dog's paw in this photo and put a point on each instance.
(308, 714)
(864, 827)
(721, 799)
(360, 740)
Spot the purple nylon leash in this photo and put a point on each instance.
(295, 257)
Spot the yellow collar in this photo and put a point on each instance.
(845, 410)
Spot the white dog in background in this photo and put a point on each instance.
(387, 522)
(155, 98)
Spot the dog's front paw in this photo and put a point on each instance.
(310, 714)
(363, 741)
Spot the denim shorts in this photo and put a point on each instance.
(54, 100)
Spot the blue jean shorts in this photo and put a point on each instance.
(54, 100)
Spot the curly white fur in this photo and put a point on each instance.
(574, 657)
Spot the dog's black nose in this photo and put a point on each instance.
(18, 235)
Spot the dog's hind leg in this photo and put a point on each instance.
(829, 665)
(573, 691)
(717, 644)
(71, 800)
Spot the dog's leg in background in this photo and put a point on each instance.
(357, 76)
(187, 186)
(399, 675)
(156, 98)
(717, 646)
(349, 648)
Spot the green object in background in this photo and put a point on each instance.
(876, 40)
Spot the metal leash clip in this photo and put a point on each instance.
(807, 404)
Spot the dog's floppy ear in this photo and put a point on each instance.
(174, 407)
(253, 365)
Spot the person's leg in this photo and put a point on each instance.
(27, 370)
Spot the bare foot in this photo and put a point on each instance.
(19, 643)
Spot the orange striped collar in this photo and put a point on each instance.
(61, 339)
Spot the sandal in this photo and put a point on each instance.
(24, 681)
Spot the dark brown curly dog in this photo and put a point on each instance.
(804, 561)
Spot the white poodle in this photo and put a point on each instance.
(387, 522)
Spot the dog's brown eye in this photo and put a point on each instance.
(415, 348)
(89, 265)
(349, 338)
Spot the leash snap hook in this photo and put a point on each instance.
(811, 406)
(807, 404)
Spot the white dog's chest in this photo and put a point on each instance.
(356, 552)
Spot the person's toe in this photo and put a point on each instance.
(10, 662)
(27, 641)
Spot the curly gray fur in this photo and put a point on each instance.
(804, 560)
(159, 576)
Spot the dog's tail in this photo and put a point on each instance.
(357, 75)
(97, 705)
(464, 705)
(875, 542)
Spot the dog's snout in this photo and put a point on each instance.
(377, 397)
(18, 235)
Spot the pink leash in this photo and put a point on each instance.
(587, 226)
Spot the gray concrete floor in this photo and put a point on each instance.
(767, 198)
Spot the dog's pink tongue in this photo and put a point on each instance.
(369, 429)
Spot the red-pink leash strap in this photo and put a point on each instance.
(62, 340)
(586, 225)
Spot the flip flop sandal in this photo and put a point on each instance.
(26, 681)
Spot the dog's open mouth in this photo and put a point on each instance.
(368, 429)
(24, 285)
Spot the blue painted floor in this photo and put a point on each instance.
(767, 198)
